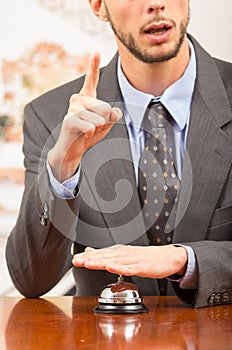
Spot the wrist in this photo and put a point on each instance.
(62, 169)
(181, 260)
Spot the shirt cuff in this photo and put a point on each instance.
(66, 189)
(191, 277)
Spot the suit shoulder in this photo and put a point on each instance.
(59, 95)
(61, 92)
(225, 69)
(52, 106)
(224, 66)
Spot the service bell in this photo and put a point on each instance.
(120, 298)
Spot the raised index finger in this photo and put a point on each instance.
(92, 76)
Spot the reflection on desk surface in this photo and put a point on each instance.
(70, 323)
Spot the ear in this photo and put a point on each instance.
(98, 8)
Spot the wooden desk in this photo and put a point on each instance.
(68, 323)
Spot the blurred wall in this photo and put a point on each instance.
(211, 25)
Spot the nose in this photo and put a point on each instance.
(155, 6)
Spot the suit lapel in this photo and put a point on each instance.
(208, 155)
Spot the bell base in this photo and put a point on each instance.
(102, 308)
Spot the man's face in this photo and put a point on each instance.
(151, 30)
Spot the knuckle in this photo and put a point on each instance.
(74, 98)
(71, 112)
(77, 100)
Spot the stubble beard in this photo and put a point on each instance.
(128, 40)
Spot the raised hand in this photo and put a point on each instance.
(87, 122)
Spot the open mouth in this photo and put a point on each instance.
(158, 30)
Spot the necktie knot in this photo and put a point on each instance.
(157, 116)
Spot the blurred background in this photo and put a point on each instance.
(44, 43)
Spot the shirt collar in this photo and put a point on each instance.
(177, 98)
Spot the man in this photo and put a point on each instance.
(83, 182)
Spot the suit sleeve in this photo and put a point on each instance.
(38, 248)
(215, 275)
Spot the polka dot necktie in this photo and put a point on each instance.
(158, 181)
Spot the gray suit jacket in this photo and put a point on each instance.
(107, 210)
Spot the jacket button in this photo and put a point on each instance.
(43, 221)
(44, 214)
(225, 297)
(211, 299)
(217, 298)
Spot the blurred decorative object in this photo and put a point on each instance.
(78, 10)
(51, 5)
(42, 68)
(14, 175)
(5, 122)
(9, 131)
(51, 66)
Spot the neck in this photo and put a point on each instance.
(156, 77)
